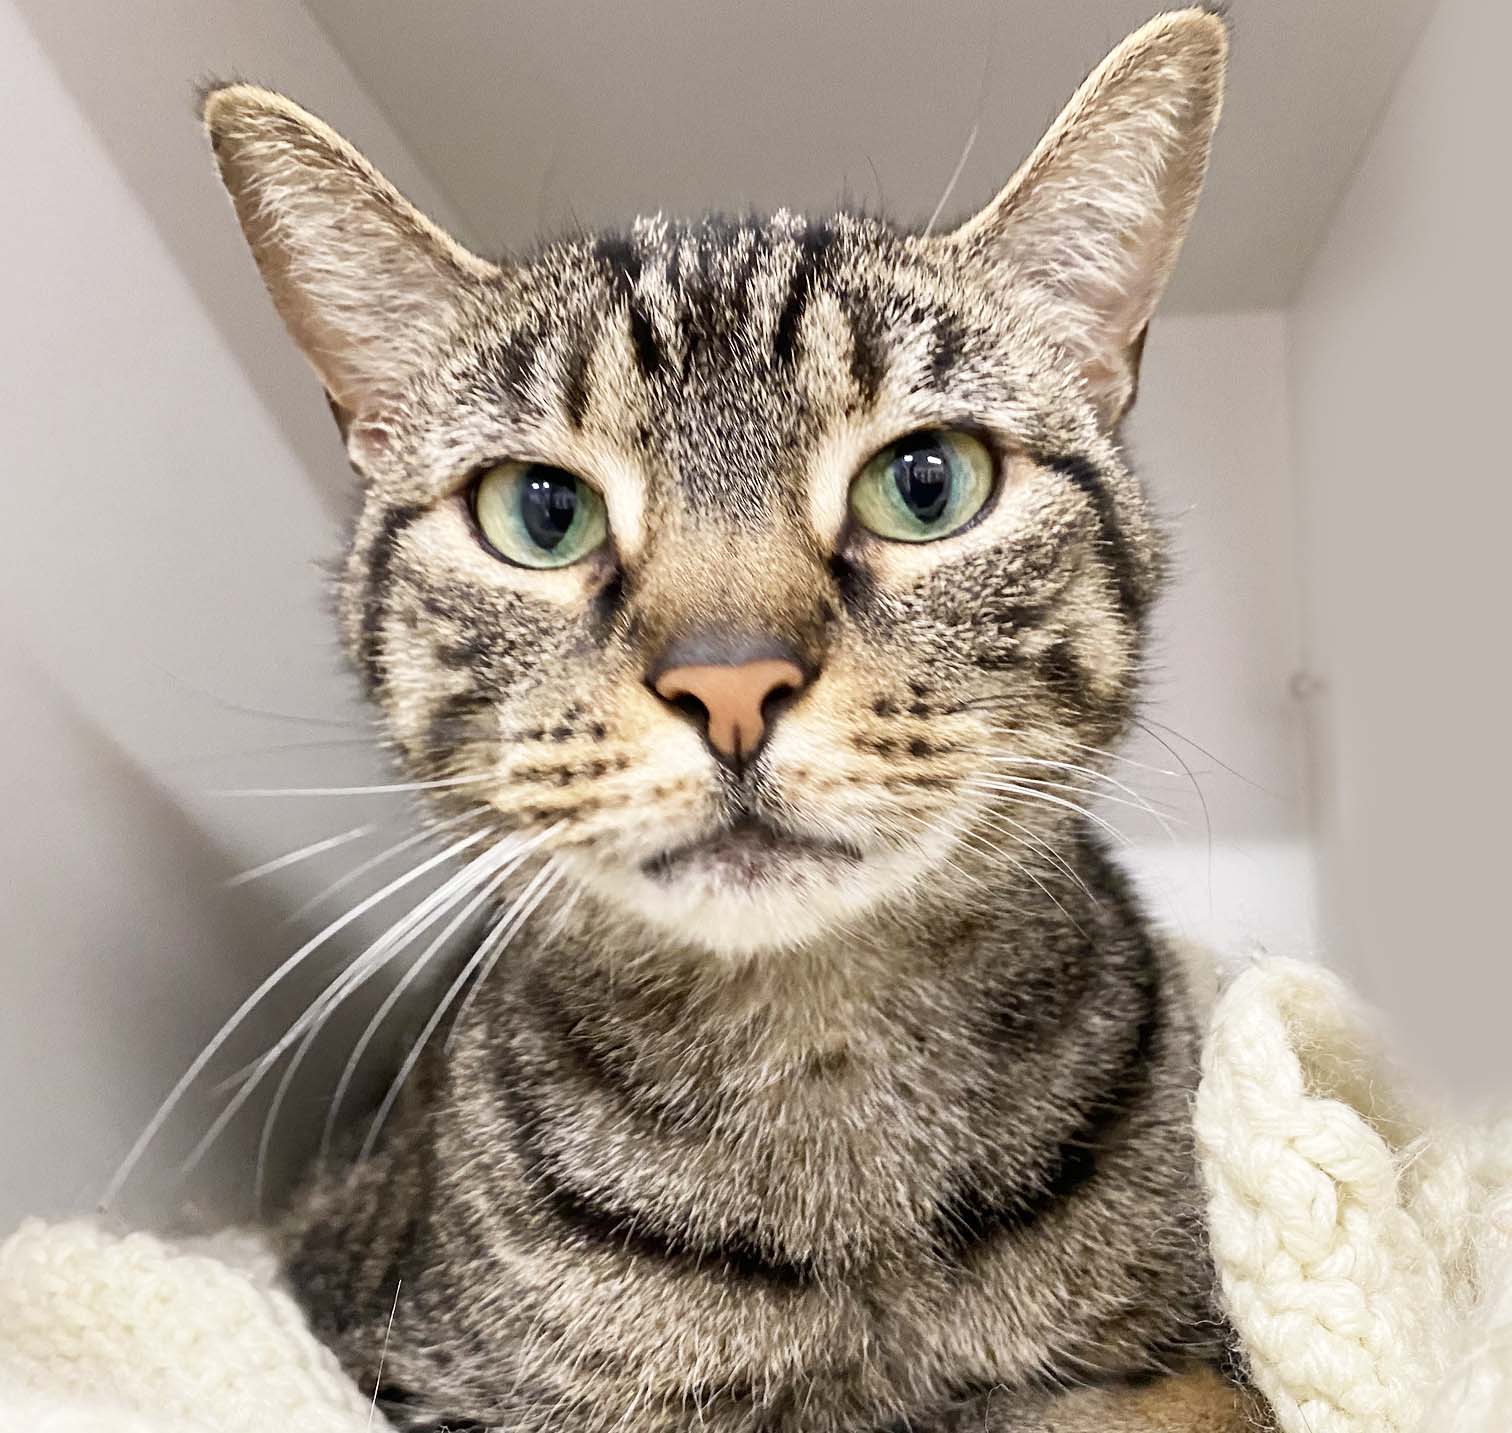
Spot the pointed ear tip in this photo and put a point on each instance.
(1203, 28)
(219, 99)
(224, 104)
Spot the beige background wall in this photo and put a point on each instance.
(169, 480)
(1211, 437)
(1399, 375)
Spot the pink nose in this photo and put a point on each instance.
(734, 699)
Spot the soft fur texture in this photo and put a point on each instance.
(1367, 1258)
(841, 1087)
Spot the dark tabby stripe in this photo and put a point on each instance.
(393, 1400)
(575, 380)
(643, 336)
(588, 1221)
(625, 266)
(1090, 482)
(1063, 674)
(591, 1055)
(949, 342)
(813, 251)
(973, 1216)
(583, 1218)
(381, 553)
(868, 362)
(451, 719)
(506, 367)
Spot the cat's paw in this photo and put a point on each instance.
(1197, 1401)
(1201, 1401)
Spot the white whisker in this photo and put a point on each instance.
(443, 899)
(1049, 799)
(949, 827)
(383, 789)
(955, 177)
(359, 871)
(240, 1076)
(346, 743)
(1119, 757)
(557, 872)
(1012, 757)
(1207, 816)
(383, 1354)
(983, 844)
(1138, 804)
(417, 918)
(225, 1032)
(1083, 746)
(999, 821)
(488, 951)
(278, 863)
(1145, 723)
(394, 996)
(559, 922)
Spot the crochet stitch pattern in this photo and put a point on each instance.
(1364, 1247)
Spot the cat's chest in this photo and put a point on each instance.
(830, 1160)
(732, 1350)
(788, 1254)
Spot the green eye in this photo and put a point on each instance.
(924, 486)
(538, 516)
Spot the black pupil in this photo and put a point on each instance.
(548, 505)
(922, 474)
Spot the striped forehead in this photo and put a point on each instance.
(744, 342)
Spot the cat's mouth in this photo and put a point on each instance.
(748, 852)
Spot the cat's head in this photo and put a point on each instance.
(768, 572)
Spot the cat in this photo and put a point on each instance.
(762, 599)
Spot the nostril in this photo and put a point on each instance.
(690, 706)
(778, 700)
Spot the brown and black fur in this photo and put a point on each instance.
(899, 1145)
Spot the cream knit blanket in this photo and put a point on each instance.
(1364, 1248)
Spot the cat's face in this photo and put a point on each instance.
(768, 574)
(724, 424)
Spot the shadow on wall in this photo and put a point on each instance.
(131, 70)
(123, 945)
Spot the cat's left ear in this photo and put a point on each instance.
(369, 288)
(1096, 216)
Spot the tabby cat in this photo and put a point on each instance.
(761, 599)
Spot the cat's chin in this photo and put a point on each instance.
(748, 854)
(750, 888)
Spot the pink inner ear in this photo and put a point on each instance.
(1095, 218)
(366, 438)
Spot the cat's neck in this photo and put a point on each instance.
(787, 1003)
(799, 1104)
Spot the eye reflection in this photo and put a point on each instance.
(923, 487)
(535, 515)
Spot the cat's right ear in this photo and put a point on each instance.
(366, 284)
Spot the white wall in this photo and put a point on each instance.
(1399, 372)
(1210, 436)
(169, 480)
(593, 111)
